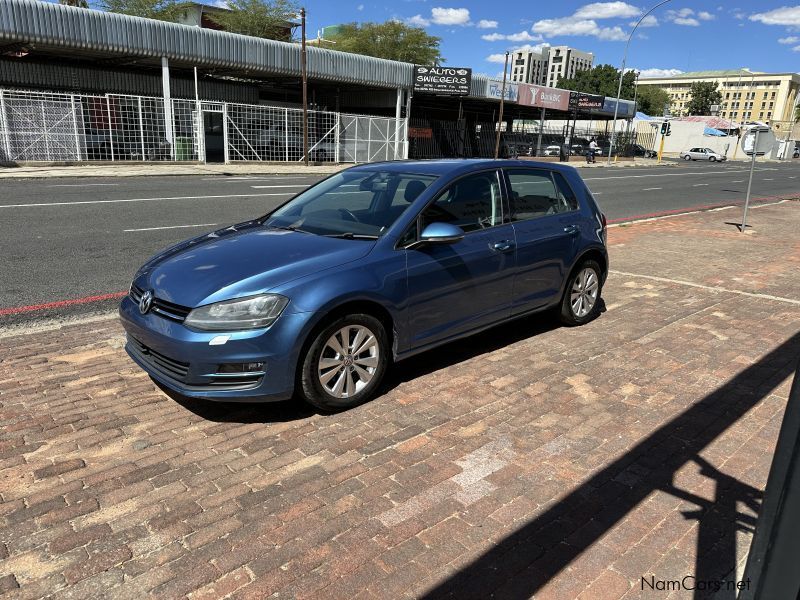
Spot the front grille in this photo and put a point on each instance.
(169, 366)
(162, 308)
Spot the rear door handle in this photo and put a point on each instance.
(571, 229)
(503, 246)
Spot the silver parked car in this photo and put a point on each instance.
(702, 154)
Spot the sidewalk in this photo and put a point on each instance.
(588, 462)
(250, 168)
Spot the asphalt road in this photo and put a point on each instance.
(65, 239)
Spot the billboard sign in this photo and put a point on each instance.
(544, 97)
(494, 89)
(445, 81)
(581, 101)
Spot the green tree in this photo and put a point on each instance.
(270, 19)
(652, 100)
(78, 3)
(602, 80)
(393, 40)
(797, 114)
(703, 95)
(163, 10)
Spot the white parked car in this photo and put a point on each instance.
(552, 151)
(702, 154)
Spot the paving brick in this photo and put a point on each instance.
(529, 460)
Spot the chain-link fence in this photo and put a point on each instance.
(38, 126)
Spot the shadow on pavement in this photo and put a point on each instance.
(522, 563)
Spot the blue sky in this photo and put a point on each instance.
(680, 36)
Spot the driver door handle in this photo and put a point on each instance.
(571, 229)
(503, 246)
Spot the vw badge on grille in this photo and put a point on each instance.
(145, 302)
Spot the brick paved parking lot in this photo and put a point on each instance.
(589, 463)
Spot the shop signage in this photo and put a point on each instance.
(446, 81)
(494, 89)
(581, 101)
(544, 97)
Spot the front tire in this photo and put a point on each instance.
(712, 159)
(345, 363)
(581, 301)
(687, 157)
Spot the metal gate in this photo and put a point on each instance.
(36, 126)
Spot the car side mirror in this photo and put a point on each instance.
(441, 233)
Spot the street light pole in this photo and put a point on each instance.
(500, 116)
(304, 75)
(622, 74)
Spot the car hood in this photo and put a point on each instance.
(242, 260)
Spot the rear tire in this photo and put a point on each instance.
(581, 301)
(345, 363)
(687, 157)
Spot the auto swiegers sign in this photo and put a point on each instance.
(446, 81)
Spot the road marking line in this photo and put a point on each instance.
(792, 176)
(143, 200)
(171, 227)
(597, 193)
(673, 174)
(738, 181)
(80, 184)
(711, 288)
(699, 184)
(269, 187)
(650, 189)
(768, 179)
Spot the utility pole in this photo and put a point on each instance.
(304, 75)
(500, 115)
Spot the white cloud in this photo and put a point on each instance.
(680, 13)
(487, 24)
(496, 58)
(607, 10)
(648, 21)
(501, 57)
(522, 36)
(360, 7)
(418, 21)
(792, 39)
(572, 26)
(686, 21)
(450, 16)
(786, 15)
(705, 16)
(796, 49)
(652, 73)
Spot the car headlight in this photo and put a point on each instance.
(253, 312)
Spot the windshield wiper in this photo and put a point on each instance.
(349, 235)
(288, 228)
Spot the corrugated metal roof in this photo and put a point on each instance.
(31, 21)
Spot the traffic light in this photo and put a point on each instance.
(669, 128)
(666, 129)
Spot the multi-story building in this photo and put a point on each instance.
(746, 95)
(549, 65)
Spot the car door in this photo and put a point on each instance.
(544, 213)
(458, 287)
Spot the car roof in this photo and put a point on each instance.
(455, 166)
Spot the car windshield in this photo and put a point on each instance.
(352, 204)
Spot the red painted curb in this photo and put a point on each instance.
(60, 303)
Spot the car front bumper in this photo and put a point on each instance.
(186, 361)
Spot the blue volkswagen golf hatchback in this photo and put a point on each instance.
(369, 266)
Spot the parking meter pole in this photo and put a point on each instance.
(749, 183)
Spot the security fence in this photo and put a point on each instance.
(36, 126)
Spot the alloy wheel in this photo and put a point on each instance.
(583, 295)
(349, 361)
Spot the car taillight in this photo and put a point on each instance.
(603, 220)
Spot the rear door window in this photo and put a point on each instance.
(538, 193)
